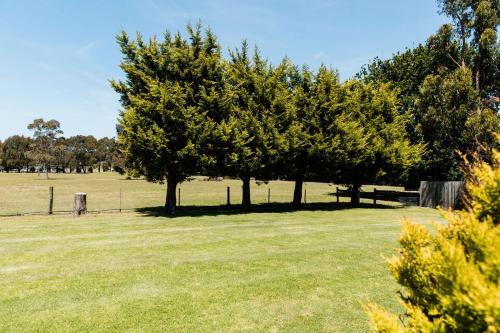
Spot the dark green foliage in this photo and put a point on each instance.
(105, 150)
(82, 150)
(449, 121)
(62, 157)
(14, 152)
(475, 23)
(407, 70)
(485, 43)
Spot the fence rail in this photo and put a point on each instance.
(405, 197)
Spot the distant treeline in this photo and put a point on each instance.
(47, 151)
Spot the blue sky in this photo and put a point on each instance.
(56, 56)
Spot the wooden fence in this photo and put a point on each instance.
(430, 194)
(406, 197)
(444, 194)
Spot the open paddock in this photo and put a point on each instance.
(26, 193)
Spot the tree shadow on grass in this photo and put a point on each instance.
(194, 211)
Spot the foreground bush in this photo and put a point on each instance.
(451, 276)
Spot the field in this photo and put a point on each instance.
(303, 271)
(28, 193)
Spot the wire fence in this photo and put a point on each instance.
(107, 193)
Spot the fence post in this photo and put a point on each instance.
(51, 200)
(337, 194)
(268, 195)
(305, 196)
(80, 204)
(179, 195)
(374, 196)
(228, 196)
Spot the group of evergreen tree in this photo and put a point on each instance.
(48, 150)
(187, 111)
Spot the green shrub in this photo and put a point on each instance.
(450, 276)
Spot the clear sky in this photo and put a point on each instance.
(56, 56)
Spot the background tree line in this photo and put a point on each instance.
(450, 87)
(49, 151)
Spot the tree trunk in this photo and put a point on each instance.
(355, 195)
(463, 37)
(478, 88)
(478, 80)
(246, 201)
(171, 200)
(297, 192)
(46, 172)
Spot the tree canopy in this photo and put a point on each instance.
(42, 148)
(14, 152)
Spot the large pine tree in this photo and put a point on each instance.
(171, 100)
(251, 134)
(368, 136)
(298, 128)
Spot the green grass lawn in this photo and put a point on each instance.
(27, 193)
(304, 271)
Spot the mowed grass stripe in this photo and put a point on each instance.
(297, 271)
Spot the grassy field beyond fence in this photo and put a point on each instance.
(28, 193)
